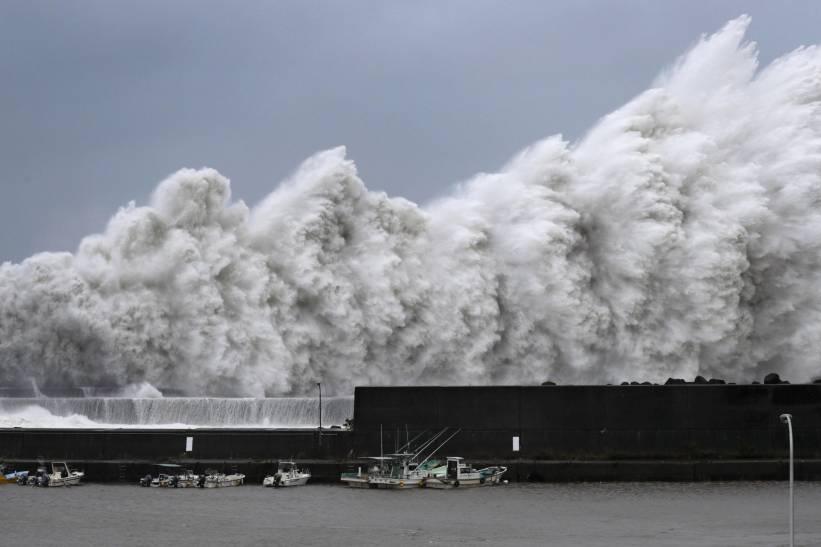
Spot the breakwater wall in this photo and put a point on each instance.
(676, 432)
(598, 422)
(127, 454)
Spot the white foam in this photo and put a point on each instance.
(681, 236)
(33, 416)
(173, 412)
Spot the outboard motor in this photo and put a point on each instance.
(42, 480)
(201, 481)
(173, 481)
(146, 481)
(277, 479)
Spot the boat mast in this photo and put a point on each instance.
(407, 445)
(427, 443)
(440, 446)
(319, 387)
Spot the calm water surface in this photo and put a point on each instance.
(608, 514)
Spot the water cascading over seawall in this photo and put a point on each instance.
(290, 412)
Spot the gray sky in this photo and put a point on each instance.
(100, 100)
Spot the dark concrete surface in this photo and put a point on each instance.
(566, 433)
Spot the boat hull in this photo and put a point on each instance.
(271, 482)
(71, 480)
(487, 477)
(445, 484)
(14, 478)
(187, 481)
(357, 482)
(180, 484)
(224, 482)
(296, 481)
(395, 484)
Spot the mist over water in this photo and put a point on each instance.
(680, 236)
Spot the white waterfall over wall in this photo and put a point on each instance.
(283, 412)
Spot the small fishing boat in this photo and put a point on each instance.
(170, 475)
(375, 476)
(7, 476)
(60, 475)
(402, 470)
(358, 478)
(458, 474)
(212, 479)
(288, 474)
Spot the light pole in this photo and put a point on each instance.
(319, 387)
(787, 419)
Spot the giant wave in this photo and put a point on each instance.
(680, 236)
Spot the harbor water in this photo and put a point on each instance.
(587, 514)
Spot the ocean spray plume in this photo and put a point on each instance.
(680, 236)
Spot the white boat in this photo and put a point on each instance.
(60, 475)
(399, 471)
(356, 479)
(171, 475)
(221, 480)
(362, 479)
(288, 474)
(458, 474)
(7, 476)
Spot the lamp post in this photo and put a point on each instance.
(787, 419)
(319, 387)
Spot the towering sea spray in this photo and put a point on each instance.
(680, 236)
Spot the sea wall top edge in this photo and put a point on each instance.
(813, 385)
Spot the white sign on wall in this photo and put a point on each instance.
(189, 444)
(515, 444)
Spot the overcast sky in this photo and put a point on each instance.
(101, 100)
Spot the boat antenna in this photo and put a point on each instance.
(440, 446)
(319, 387)
(381, 451)
(427, 443)
(407, 446)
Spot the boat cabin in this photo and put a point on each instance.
(286, 467)
(380, 463)
(59, 469)
(457, 468)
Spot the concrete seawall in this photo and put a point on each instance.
(565, 433)
(598, 422)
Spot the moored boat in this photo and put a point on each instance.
(170, 475)
(361, 479)
(7, 476)
(456, 473)
(356, 479)
(60, 475)
(287, 474)
(213, 479)
(402, 470)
